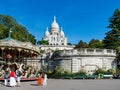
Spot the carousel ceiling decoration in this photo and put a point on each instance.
(12, 43)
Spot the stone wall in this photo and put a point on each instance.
(87, 59)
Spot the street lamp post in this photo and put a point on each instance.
(10, 33)
(71, 67)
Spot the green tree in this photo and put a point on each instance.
(43, 42)
(112, 39)
(3, 32)
(19, 32)
(95, 44)
(81, 44)
(69, 44)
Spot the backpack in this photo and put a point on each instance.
(19, 73)
(6, 76)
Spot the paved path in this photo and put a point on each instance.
(66, 84)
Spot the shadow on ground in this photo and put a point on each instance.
(35, 85)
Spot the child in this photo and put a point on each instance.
(45, 80)
(6, 76)
(39, 80)
(12, 79)
(19, 73)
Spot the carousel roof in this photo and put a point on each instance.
(12, 43)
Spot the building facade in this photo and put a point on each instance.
(56, 38)
(56, 35)
(88, 60)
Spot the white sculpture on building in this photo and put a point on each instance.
(56, 35)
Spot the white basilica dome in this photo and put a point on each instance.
(62, 33)
(54, 25)
(47, 33)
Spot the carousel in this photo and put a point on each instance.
(15, 54)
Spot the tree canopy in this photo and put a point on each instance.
(112, 39)
(94, 43)
(19, 32)
(43, 42)
(81, 44)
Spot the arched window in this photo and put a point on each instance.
(57, 39)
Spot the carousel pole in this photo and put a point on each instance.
(31, 52)
(2, 53)
(19, 55)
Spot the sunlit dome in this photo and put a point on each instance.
(54, 25)
(61, 32)
(47, 32)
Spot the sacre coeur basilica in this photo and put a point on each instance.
(68, 58)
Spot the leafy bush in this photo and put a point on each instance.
(99, 71)
(82, 73)
(67, 72)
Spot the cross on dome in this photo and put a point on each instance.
(54, 25)
(54, 18)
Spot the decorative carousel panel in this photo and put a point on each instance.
(9, 42)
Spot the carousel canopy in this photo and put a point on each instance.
(12, 43)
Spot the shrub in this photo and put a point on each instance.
(67, 72)
(99, 71)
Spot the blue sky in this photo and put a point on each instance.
(80, 19)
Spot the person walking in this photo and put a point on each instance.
(6, 76)
(12, 79)
(45, 80)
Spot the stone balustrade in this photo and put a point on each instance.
(88, 51)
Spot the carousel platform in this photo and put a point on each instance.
(22, 79)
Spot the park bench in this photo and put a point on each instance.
(79, 77)
(110, 76)
(91, 77)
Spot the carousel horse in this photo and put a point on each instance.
(16, 64)
(21, 65)
(24, 75)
